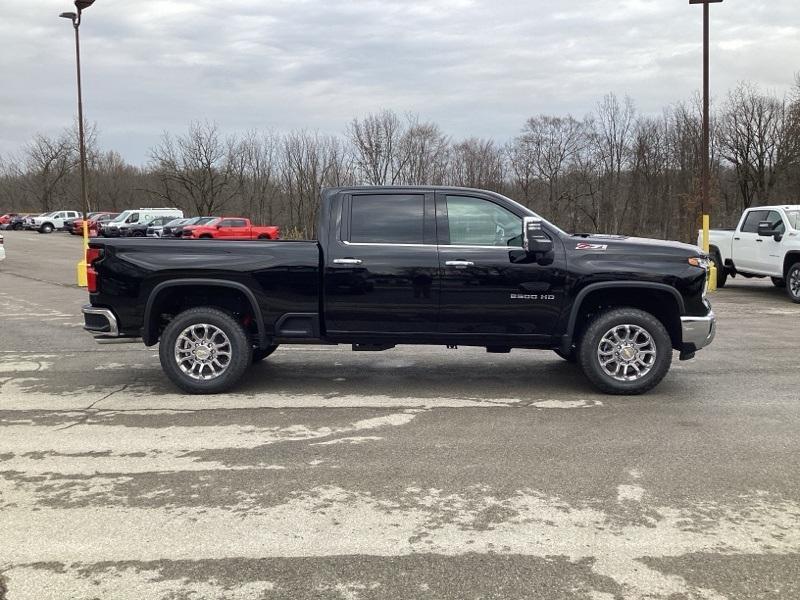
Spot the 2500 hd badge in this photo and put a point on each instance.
(216, 307)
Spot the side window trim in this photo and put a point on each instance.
(347, 213)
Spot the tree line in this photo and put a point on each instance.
(614, 170)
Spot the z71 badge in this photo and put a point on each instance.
(585, 246)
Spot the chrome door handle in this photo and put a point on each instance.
(459, 263)
(347, 261)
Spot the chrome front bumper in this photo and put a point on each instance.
(698, 332)
(100, 321)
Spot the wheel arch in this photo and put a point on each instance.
(162, 293)
(661, 300)
(790, 259)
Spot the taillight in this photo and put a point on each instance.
(92, 256)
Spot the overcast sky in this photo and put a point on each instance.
(477, 67)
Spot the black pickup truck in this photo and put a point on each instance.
(407, 265)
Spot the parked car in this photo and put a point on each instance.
(765, 243)
(97, 223)
(178, 231)
(29, 223)
(18, 222)
(75, 226)
(413, 265)
(168, 230)
(6, 219)
(141, 229)
(2, 249)
(231, 228)
(54, 220)
(118, 225)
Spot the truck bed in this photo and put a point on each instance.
(283, 275)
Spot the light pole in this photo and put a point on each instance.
(81, 5)
(706, 168)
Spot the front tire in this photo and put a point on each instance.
(46, 228)
(204, 351)
(625, 351)
(793, 283)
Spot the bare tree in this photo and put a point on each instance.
(258, 174)
(198, 169)
(46, 167)
(423, 154)
(477, 163)
(378, 149)
(310, 162)
(755, 138)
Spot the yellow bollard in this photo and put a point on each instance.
(81, 268)
(712, 278)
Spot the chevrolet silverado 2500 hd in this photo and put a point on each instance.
(407, 265)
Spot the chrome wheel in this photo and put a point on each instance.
(627, 352)
(203, 351)
(794, 283)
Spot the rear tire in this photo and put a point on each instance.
(186, 346)
(722, 272)
(634, 347)
(793, 283)
(260, 354)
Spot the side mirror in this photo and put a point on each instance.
(219, 226)
(765, 229)
(535, 240)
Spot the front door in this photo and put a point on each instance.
(382, 273)
(232, 228)
(770, 251)
(747, 243)
(490, 286)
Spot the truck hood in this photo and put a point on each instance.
(620, 244)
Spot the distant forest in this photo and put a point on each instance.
(614, 170)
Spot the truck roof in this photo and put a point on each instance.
(776, 206)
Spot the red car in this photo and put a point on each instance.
(94, 218)
(4, 219)
(231, 228)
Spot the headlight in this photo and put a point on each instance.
(700, 261)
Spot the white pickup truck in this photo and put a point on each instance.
(766, 243)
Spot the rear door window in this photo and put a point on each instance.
(387, 219)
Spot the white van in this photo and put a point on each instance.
(130, 217)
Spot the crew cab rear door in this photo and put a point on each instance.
(490, 285)
(382, 268)
(233, 228)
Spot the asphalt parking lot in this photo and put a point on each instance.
(414, 473)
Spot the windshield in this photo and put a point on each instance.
(793, 216)
(175, 222)
(206, 220)
(121, 217)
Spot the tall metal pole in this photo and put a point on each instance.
(706, 175)
(82, 141)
